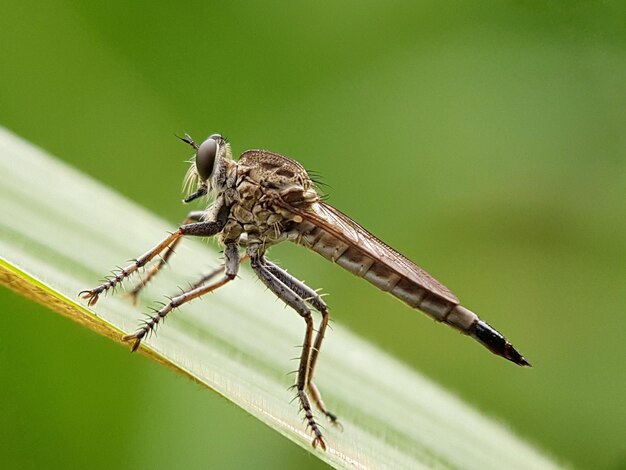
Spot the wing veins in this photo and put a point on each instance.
(343, 227)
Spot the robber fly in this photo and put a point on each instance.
(263, 199)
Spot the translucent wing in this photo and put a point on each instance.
(343, 227)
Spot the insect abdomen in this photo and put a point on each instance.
(355, 260)
(361, 264)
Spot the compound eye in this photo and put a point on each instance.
(205, 158)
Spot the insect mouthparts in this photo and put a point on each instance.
(199, 193)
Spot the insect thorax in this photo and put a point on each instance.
(262, 180)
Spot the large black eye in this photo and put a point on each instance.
(205, 158)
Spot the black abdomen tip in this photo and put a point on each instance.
(496, 342)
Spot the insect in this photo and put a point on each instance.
(263, 199)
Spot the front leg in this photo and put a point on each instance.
(200, 229)
(193, 216)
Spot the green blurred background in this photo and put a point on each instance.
(485, 140)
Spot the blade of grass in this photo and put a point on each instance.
(61, 231)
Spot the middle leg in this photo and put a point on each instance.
(211, 274)
(231, 267)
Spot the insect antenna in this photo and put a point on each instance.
(188, 140)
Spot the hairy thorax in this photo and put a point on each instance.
(262, 181)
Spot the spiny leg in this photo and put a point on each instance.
(292, 299)
(200, 229)
(193, 287)
(231, 267)
(312, 297)
(193, 216)
(211, 274)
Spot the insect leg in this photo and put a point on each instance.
(231, 266)
(292, 299)
(313, 298)
(193, 216)
(200, 229)
(211, 274)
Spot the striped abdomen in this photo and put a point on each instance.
(371, 259)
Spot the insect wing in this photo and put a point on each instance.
(343, 227)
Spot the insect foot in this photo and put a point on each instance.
(318, 438)
(137, 337)
(110, 284)
(91, 296)
(334, 420)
